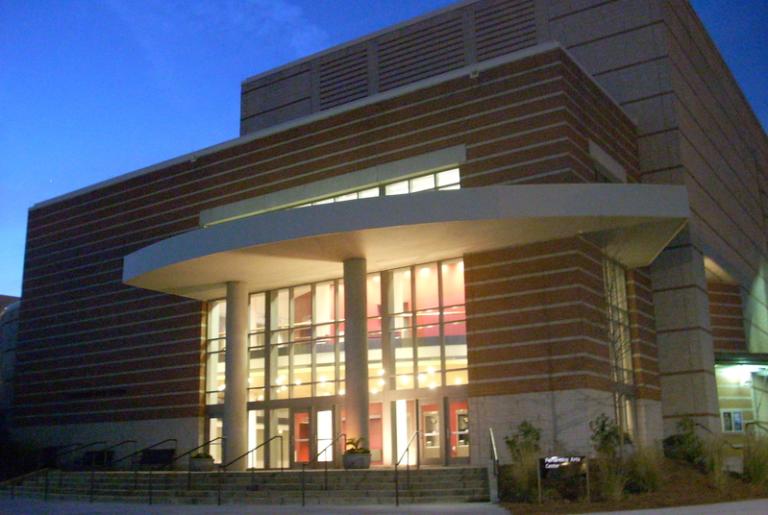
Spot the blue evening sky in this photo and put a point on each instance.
(93, 89)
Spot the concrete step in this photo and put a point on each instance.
(374, 486)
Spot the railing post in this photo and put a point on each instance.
(397, 488)
(218, 487)
(149, 486)
(93, 479)
(303, 471)
(282, 457)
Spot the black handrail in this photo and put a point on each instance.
(136, 453)
(145, 449)
(76, 449)
(188, 453)
(314, 460)
(93, 465)
(495, 462)
(61, 468)
(405, 453)
(21, 478)
(223, 468)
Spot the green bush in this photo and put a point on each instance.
(520, 479)
(644, 470)
(609, 479)
(610, 476)
(686, 444)
(714, 460)
(756, 460)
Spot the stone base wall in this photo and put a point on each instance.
(187, 431)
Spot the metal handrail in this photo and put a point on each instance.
(148, 447)
(495, 462)
(136, 453)
(93, 466)
(758, 423)
(22, 477)
(61, 468)
(405, 453)
(314, 460)
(78, 448)
(223, 468)
(188, 453)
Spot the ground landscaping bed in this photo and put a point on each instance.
(681, 484)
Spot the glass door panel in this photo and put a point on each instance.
(375, 432)
(301, 437)
(256, 437)
(279, 425)
(215, 431)
(325, 435)
(405, 425)
(459, 427)
(431, 438)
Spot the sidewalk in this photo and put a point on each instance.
(753, 507)
(36, 507)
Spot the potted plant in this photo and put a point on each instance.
(201, 462)
(356, 456)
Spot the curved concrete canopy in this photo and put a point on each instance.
(633, 222)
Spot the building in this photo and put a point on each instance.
(501, 211)
(9, 326)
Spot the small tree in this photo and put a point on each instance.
(520, 479)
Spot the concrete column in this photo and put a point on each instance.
(686, 351)
(356, 349)
(235, 422)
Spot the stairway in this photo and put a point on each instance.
(374, 486)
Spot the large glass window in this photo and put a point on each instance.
(216, 347)
(619, 334)
(427, 325)
(445, 180)
(416, 335)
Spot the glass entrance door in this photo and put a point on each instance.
(431, 433)
(302, 436)
(458, 425)
(324, 435)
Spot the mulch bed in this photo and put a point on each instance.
(681, 485)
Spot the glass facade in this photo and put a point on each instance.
(416, 335)
(445, 180)
(620, 344)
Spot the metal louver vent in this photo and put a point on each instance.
(343, 77)
(422, 50)
(503, 26)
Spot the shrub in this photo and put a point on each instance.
(606, 436)
(610, 476)
(610, 479)
(756, 460)
(686, 444)
(520, 480)
(644, 470)
(714, 460)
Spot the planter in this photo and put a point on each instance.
(358, 460)
(201, 464)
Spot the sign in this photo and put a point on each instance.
(561, 464)
(556, 469)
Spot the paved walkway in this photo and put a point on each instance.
(35, 507)
(754, 507)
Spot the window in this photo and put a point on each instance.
(619, 335)
(733, 421)
(296, 335)
(427, 325)
(216, 348)
(445, 180)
